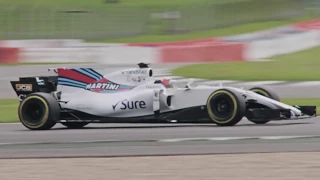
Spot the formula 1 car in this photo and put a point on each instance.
(76, 97)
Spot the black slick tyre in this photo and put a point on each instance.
(267, 92)
(226, 107)
(74, 125)
(39, 111)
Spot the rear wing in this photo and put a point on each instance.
(28, 85)
(74, 77)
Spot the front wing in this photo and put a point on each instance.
(263, 114)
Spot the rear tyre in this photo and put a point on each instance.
(74, 125)
(226, 107)
(267, 92)
(39, 111)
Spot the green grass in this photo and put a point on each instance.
(219, 32)
(122, 2)
(9, 107)
(9, 110)
(303, 102)
(42, 19)
(300, 66)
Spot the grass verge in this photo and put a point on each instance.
(121, 2)
(300, 66)
(95, 19)
(9, 110)
(9, 107)
(218, 32)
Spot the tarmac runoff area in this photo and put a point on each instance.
(271, 166)
(110, 140)
(158, 143)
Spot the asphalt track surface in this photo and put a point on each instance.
(105, 140)
(154, 139)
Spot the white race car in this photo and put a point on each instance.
(76, 97)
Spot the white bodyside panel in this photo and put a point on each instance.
(136, 102)
(131, 93)
(190, 98)
(122, 104)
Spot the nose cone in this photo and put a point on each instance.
(295, 111)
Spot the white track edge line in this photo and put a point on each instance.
(236, 138)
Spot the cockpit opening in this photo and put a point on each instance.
(166, 82)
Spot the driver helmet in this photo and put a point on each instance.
(167, 83)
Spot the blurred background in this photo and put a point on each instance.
(103, 20)
(283, 35)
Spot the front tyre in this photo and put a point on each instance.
(39, 111)
(267, 92)
(74, 125)
(226, 107)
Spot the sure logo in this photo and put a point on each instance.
(125, 104)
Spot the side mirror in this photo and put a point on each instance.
(189, 83)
